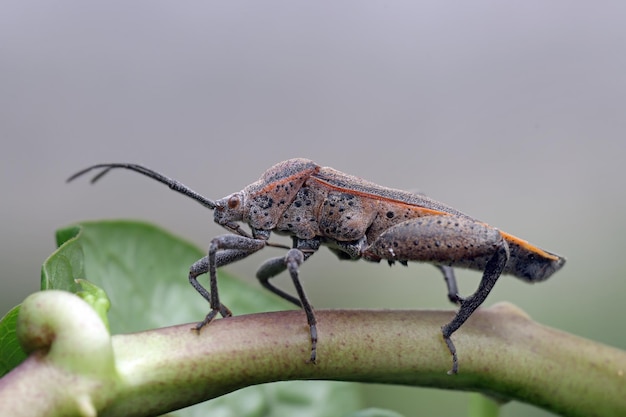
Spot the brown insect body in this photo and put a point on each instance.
(356, 219)
(308, 201)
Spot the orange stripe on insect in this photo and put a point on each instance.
(531, 248)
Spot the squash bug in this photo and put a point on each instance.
(356, 219)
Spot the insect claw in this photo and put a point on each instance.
(209, 317)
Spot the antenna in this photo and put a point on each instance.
(173, 184)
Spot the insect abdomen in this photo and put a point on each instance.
(529, 262)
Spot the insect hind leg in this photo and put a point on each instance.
(492, 272)
(447, 240)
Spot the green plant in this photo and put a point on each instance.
(75, 367)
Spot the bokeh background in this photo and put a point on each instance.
(514, 112)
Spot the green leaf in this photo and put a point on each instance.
(66, 264)
(143, 271)
(11, 353)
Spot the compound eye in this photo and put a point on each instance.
(233, 202)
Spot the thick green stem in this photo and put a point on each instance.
(501, 352)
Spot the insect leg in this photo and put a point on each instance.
(275, 266)
(291, 262)
(494, 268)
(270, 269)
(295, 258)
(223, 250)
(201, 266)
(453, 289)
(447, 240)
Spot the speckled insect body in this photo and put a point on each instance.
(356, 219)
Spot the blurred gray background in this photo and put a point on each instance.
(514, 112)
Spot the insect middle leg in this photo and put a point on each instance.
(447, 240)
(303, 249)
(223, 250)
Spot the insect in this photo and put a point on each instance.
(356, 219)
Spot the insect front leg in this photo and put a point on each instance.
(291, 261)
(447, 240)
(223, 250)
(201, 266)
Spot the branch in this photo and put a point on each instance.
(501, 353)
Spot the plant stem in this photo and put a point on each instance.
(501, 353)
